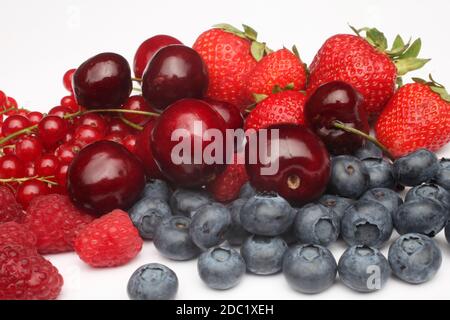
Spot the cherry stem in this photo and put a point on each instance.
(131, 124)
(21, 180)
(137, 89)
(342, 126)
(136, 79)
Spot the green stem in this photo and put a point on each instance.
(18, 133)
(131, 124)
(144, 113)
(24, 179)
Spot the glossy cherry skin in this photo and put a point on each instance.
(143, 151)
(147, 50)
(230, 113)
(174, 73)
(105, 176)
(300, 163)
(137, 103)
(337, 100)
(185, 115)
(103, 81)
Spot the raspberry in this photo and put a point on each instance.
(109, 241)
(14, 233)
(10, 210)
(56, 222)
(27, 276)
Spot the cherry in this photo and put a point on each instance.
(59, 111)
(229, 112)
(35, 117)
(105, 176)
(52, 129)
(47, 165)
(28, 148)
(11, 167)
(94, 120)
(193, 119)
(143, 151)
(29, 190)
(66, 152)
(175, 72)
(67, 79)
(137, 103)
(147, 50)
(70, 103)
(294, 163)
(337, 101)
(86, 134)
(14, 123)
(117, 126)
(129, 142)
(103, 81)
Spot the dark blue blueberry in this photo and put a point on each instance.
(316, 224)
(236, 234)
(338, 204)
(147, 214)
(363, 269)
(429, 191)
(380, 173)
(447, 231)
(153, 281)
(267, 214)
(309, 268)
(185, 202)
(157, 189)
(263, 255)
(247, 191)
(387, 197)
(289, 235)
(349, 177)
(415, 258)
(209, 225)
(423, 216)
(367, 223)
(221, 268)
(416, 168)
(172, 239)
(443, 176)
(369, 150)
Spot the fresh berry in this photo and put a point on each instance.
(442, 178)
(29, 190)
(11, 167)
(66, 152)
(137, 103)
(59, 111)
(247, 191)
(70, 103)
(67, 79)
(47, 165)
(28, 148)
(51, 130)
(387, 197)
(185, 202)
(145, 154)
(429, 191)
(230, 113)
(14, 123)
(12, 233)
(35, 117)
(369, 150)
(94, 120)
(147, 214)
(335, 203)
(10, 210)
(349, 177)
(157, 189)
(380, 173)
(236, 234)
(416, 168)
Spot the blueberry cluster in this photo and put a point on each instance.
(362, 206)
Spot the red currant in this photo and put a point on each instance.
(60, 111)
(67, 79)
(13, 124)
(11, 103)
(114, 137)
(23, 112)
(35, 117)
(93, 120)
(66, 152)
(28, 148)
(52, 129)
(47, 165)
(11, 167)
(2, 99)
(137, 103)
(70, 102)
(129, 142)
(30, 189)
(61, 176)
(118, 126)
(85, 135)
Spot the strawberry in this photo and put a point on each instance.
(417, 116)
(366, 64)
(281, 69)
(282, 107)
(230, 55)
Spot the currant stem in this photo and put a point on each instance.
(144, 113)
(18, 133)
(24, 179)
(131, 124)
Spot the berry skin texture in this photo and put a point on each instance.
(109, 241)
(336, 203)
(369, 150)
(10, 210)
(387, 197)
(429, 191)
(349, 177)
(12, 233)
(443, 176)
(158, 189)
(283, 107)
(185, 202)
(416, 117)
(380, 173)
(416, 168)
(229, 61)
(55, 222)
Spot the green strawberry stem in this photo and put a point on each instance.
(342, 126)
(24, 179)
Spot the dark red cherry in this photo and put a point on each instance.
(179, 139)
(229, 112)
(337, 101)
(105, 176)
(103, 81)
(147, 50)
(292, 161)
(137, 103)
(144, 152)
(174, 73)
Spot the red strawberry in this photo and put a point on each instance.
(283, 107)
(281, 69)
(226, 186)
(418, 116)
(56, 222)
(109, 241)
(230, 55)
(10, 210)
(366, 64)
(14, 233)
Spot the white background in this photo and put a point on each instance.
(40, 40)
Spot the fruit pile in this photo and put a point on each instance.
(97, 175)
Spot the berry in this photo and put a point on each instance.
(236, 234)
(35, 117)
(129, 142)
(117, 126)
(157, 189)
(137, 103)
(415, 258)
(60, 111)
(349, 177)
(247, 191)
(12, 233)
(363, 269)
(153, 281)
(369, 150)
(442, 178)
(70, 103)
(145, 154)
(429, 191)
(10, 210)
(52, 129)
(29, 190)
(47, 165)
(13, 124)
(309, 268)
(380, 173)
(221, 268)
(85, 135)
(28, 148)
(66, 153)
(11, 167)
(185, 202)
(147, 214)
(96, 121)
(387, 197)
(55, 222)
(68, 78)
(109, 241)
(230, 113)
(416, 168)
(335, 203)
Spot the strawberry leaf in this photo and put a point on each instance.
(258, 97)
(295, 51)
(398, 43)
(377, 39)
(409, 64)
(414, 50)
(250, 32)
(258, 50)
(230, 29)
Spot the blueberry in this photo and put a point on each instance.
(316, 224)
(247, 191)
(367, 223)
(236, 234)
(415, 258)
(185, 201)
(349, 177)
(309, 268)
(363, 269)
(369, 150)
(289, 235)
(221, 268)
(263, 255)
(429, 191)
(172, 239)
(267, 214)
(153, 281)
(147, 214)
(416, 168)
(157, 189)
(447, 231)
(423, 216)
(387, 197)
(338, 204)
(443, 176)
(209, 225)
(380, 173)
